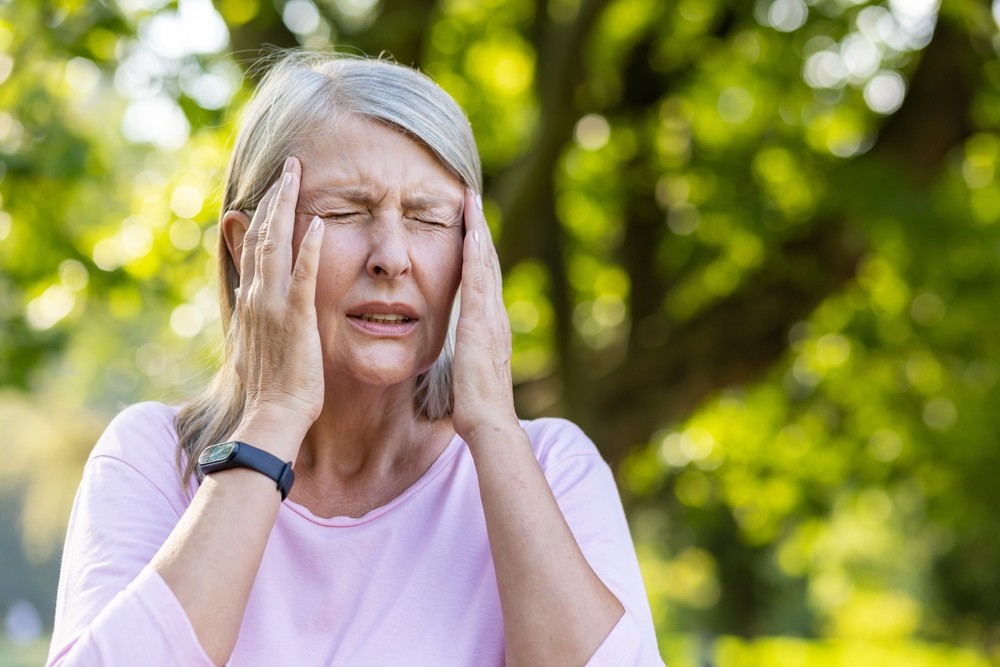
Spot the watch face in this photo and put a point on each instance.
(217, 453)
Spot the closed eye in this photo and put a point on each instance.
(346, 215)
(430, 219)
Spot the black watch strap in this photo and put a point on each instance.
(236, 454)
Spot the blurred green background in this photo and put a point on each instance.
(750, 246)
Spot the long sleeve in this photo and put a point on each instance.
(586, 492)
(112, 608)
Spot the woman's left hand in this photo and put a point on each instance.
(484, 399)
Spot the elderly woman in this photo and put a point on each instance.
(367, 343)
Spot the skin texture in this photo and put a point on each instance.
(367, 216)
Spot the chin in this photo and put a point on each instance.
(385, 372)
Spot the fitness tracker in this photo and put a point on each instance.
(235, 454)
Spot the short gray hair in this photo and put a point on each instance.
(301, 92)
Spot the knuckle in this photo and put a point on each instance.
(300, 281)
(479, 283)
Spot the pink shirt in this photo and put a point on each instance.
(410, 583)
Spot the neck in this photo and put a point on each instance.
(366, 448)
(369, 433)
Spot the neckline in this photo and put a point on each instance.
(443, 459)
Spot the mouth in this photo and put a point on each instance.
(387, 318)
(382, 319)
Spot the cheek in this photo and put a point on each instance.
(341, 261)
(442, 259)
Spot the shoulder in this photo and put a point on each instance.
(557, 440)
(137, 430)
(143, 437)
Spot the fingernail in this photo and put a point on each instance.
(314, 225)
(288, 164)
(479, 202)
(287, 179)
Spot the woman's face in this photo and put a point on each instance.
(392, 250)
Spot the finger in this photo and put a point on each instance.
(473, 269)
(480, 231)
(302, 291)
(491, 258)
(275, 245)
(494, 312)
(248, 257)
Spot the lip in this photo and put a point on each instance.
(385, 329)
(383, 308)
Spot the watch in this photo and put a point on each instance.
(235, 454)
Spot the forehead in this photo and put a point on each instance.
(356, 155)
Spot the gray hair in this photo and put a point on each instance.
(300, 93)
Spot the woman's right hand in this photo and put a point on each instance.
(280, 358)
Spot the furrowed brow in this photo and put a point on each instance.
(336, 195)
(428, 201)
(433, 203)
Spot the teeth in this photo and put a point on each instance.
(384, 319)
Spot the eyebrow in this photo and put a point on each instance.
(352, 194)
(426, 202)
(360, 195)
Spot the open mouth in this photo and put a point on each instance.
(384, 319)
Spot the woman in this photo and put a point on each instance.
(423, 524)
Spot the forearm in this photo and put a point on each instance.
(556, 610)
(211, 558)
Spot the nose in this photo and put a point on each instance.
(389, 256)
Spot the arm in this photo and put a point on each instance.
(585, 489)
(111, 607)
(212, 557)
(207, 564)
(556, 610)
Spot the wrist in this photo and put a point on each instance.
(238, 454)
(489, 433)
(272, 431)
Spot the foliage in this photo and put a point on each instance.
(750, 247)
(15, 655)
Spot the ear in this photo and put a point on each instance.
(234, 228)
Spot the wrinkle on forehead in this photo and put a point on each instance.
(367, 163)
(416, 198)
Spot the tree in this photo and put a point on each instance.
(747, 247)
